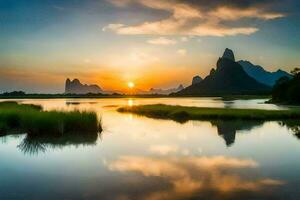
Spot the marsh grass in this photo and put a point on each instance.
(34, 121)
(182, 113)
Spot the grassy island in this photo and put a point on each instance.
(182, 113)
(33, 120)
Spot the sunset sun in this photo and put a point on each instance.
(130, 84)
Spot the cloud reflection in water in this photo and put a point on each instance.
(192, 176)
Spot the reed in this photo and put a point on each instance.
(31, 119)
(182, 113)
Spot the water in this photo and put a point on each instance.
(141, 158)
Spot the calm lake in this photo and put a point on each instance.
(139, 158)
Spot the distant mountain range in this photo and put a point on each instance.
(76, 87)
(161, 91)
(229, 77)
(261, 75)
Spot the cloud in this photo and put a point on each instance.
(162, 41)
(184, 39)
(141, 57)
(182, 52)
(196, 19)
(112, 27)
(232, 14)
(163, 149)
(188, 176)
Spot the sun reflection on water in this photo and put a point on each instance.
(130, 102)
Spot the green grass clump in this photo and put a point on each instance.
(182, 113)
(33, 120)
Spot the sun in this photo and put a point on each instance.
(130, 84)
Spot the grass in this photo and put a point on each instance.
(31, 119)
(182, 113)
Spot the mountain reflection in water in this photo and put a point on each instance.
(227, 129)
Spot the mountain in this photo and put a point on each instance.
(196, 79)
(261, 75)
(166, 91)
(228, 54)
(228, 78)
(286, 90)
(75, 87)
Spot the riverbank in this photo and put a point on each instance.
(182, 113)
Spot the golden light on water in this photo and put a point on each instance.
(130, 102)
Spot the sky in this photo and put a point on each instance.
(154, 44)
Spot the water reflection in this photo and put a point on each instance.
(36, 144)
(228, 104)
(192, 177)
(76, 102)
(148, 159)
(72, 103)
(227, 129)
(293, 125)
(130, 102)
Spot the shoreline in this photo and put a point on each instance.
(185, 113)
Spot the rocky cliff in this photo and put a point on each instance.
(76, 87)
(228, 78)
(196, 79)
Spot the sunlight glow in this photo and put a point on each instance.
(130, 84)
(130, 102)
